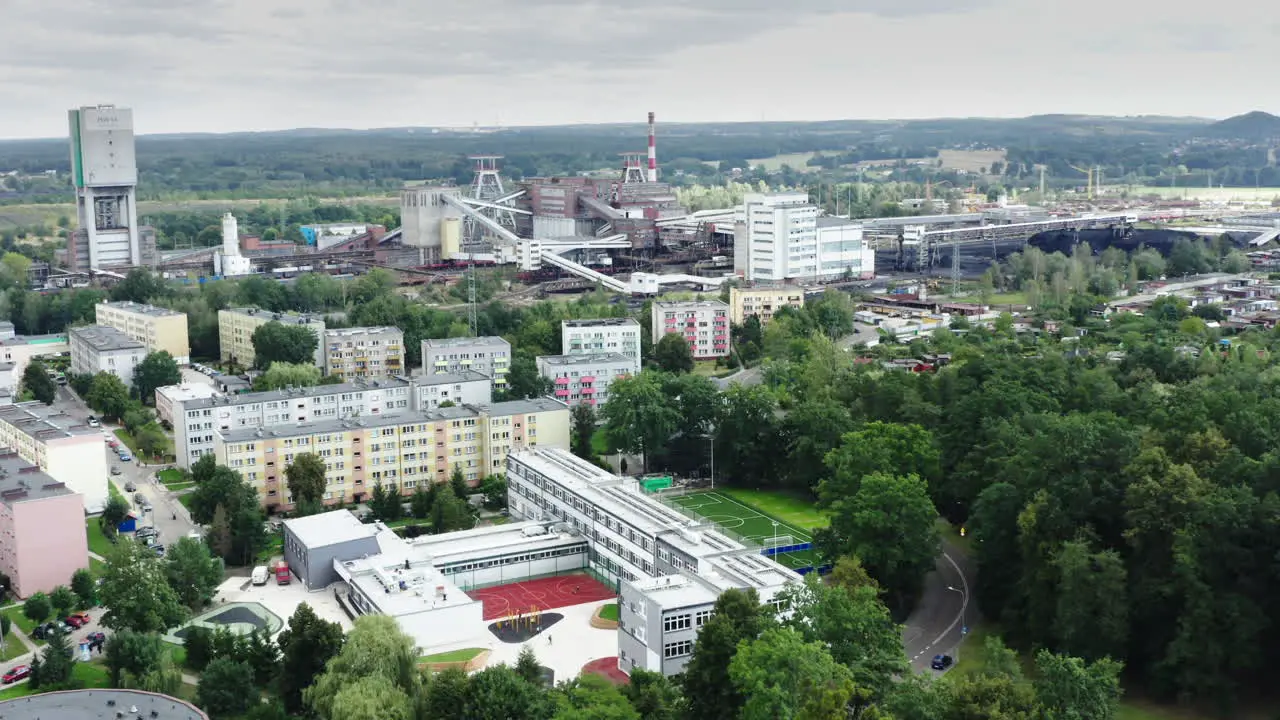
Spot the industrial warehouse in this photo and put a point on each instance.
(571, 519)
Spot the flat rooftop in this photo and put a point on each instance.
(100, 704)
(141, 308)
(487, 340)
(330, 528)
(34, 340)
(600, 322)
(286, 318)
(355, 386)
(43, 422)
(470, 545)
(352, 332)
(828, 221)
(104, 338)
(21, 481)
(187, 391)
(675, 591)
(692, 305)
(402, 579)
(587, 359)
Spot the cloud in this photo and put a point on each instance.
(255, 64)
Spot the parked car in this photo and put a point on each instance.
(139, 498)
(96, 637)
(147, 532)
(159, 550)
(129, 486)
(82, 616)
(941, 662)
(113, 444)
(125, 456)
(74, 621)
(115, 469)
(16, 673)
(93, 422)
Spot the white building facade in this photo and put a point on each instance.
(776, 237)
(490, 356)
(98, 348)
(60, 445)
(605, 335)
(704, 324)
(462, 388)
(104, 172)
(578, 379)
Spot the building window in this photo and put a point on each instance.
(672, 623)
(677, 649)
(701, 617)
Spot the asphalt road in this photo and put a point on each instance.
(940, 620)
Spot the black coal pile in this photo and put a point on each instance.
(1064, 241)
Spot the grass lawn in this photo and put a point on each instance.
(98, 543)
(609, 612)
(97, 567)
(88, 675)
(1013, 298)
(789, 508)
(171, 477)
(13, 646)
(20, 621)
(462, 655)
(128, 440)
(186, 500)
(599, 445)
(749, 522)
(115, 491)
(179, 656)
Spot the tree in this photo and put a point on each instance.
(372, 697)
(63, 601)
(306, 478)
(458, 484)
(283, 374)
(55, 666)
(639, 417)
(782, 676)
(108, 395)
(523, 380)
(151, 440)
(1092, 620)
(672, 354)
(5, 626)
(114, 512)
(527, 666)
(305, 646)
(498, 693)
(450, 513)
(237, 536)
(1068, 688)
(878, 447)
(15, 268)
(889, 524)
(192, 573)
(276, 342)
(653, 695)
(135, 592)
(708, 691)
(222, 690)
(37, 608)
(199, 645)
(746, 436)
(424, 495)
(131, 656)
(140, 286)
(219, 535)
(445, 695)
(157, 370)
(583, 419)
(36, 380)
(592, 697)
(494, 489)
(262, 655)
(376, 647)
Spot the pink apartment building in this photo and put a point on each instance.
(704, 324)
(42, 537)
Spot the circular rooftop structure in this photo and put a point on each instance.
(99, 704)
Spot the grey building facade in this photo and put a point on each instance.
(312, 543)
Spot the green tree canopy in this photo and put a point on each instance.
(157, 370)
(275, 342)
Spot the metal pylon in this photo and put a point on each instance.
(473, 319)
(955, 270)
(486, 185)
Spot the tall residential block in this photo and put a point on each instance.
(364, 352)
(42, 537)
(98, 348)
(236, 326)
(160, 329)
(704, 324)
(604, 335)
(406, 449)
(104, 173)
(60, 445)
(490, 356)
(762, 302)
(779, 237)
(578, 379)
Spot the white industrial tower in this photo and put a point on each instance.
(491, 199)
(104, 172)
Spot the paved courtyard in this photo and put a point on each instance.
(281, 599)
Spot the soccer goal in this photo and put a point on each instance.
(777, 541)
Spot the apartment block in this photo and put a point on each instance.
(762, 302)
(22, 349)
(169, 396)
(489, 356)
(606, 335)
(98, 348)
(60, 445)
(704, 324)
(42, 538)
(670, 571)
(465, 387)
(404, 448)
(157, 328)
(364, 352)
(236, 326)
(585, 378)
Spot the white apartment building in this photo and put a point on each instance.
(363, 352)
(585, 378)
(670, 572)
(98, 348)
(466, 387)
(704, 324)
(169, 396)
(61, 445)
(490, 356)
(605, 335)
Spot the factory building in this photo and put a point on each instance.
(364, 352)
(98, 348)
(428, 223)
(762, 302)
(704, 324)
(490, 356)
(603, 335)
(236, 326)
(843, 251)
(157, 328)
(229, 262)
(779, 237)
(585, 378)
(104, 173)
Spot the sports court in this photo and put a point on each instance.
(751, 524)
(533, 596)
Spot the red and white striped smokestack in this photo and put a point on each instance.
(653, 152)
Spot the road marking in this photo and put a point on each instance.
(964, 603)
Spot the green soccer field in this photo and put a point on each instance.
(748, 522)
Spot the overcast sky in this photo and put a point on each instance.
(230, 65)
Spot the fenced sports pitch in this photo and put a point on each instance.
(789, 545)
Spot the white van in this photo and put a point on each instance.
(260, 575)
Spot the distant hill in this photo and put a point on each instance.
(1256, 125)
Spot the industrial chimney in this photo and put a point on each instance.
(230, 235)
(653, 152)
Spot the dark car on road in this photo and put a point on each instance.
(18, 672)
(942, 662)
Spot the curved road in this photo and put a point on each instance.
(938, 623)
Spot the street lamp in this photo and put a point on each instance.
(775, 536)
(964, 608)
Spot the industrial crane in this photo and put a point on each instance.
(1089, 173)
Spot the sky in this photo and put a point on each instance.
(248, 65)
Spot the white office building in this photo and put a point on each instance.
(604, 335)
(585, 378)
(670, 570)
(776, 237)
(98, 348)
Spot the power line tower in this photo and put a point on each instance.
(473, 320)
(955, 270)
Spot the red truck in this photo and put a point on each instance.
(282, 573)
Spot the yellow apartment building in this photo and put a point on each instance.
(762, 302)
(155, 327)
(404, 449)
(236, 326)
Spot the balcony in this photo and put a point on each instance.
(588, 391)
(562, 392)
(562, 381)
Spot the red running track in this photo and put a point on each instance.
(542, 594)
(608, 669)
